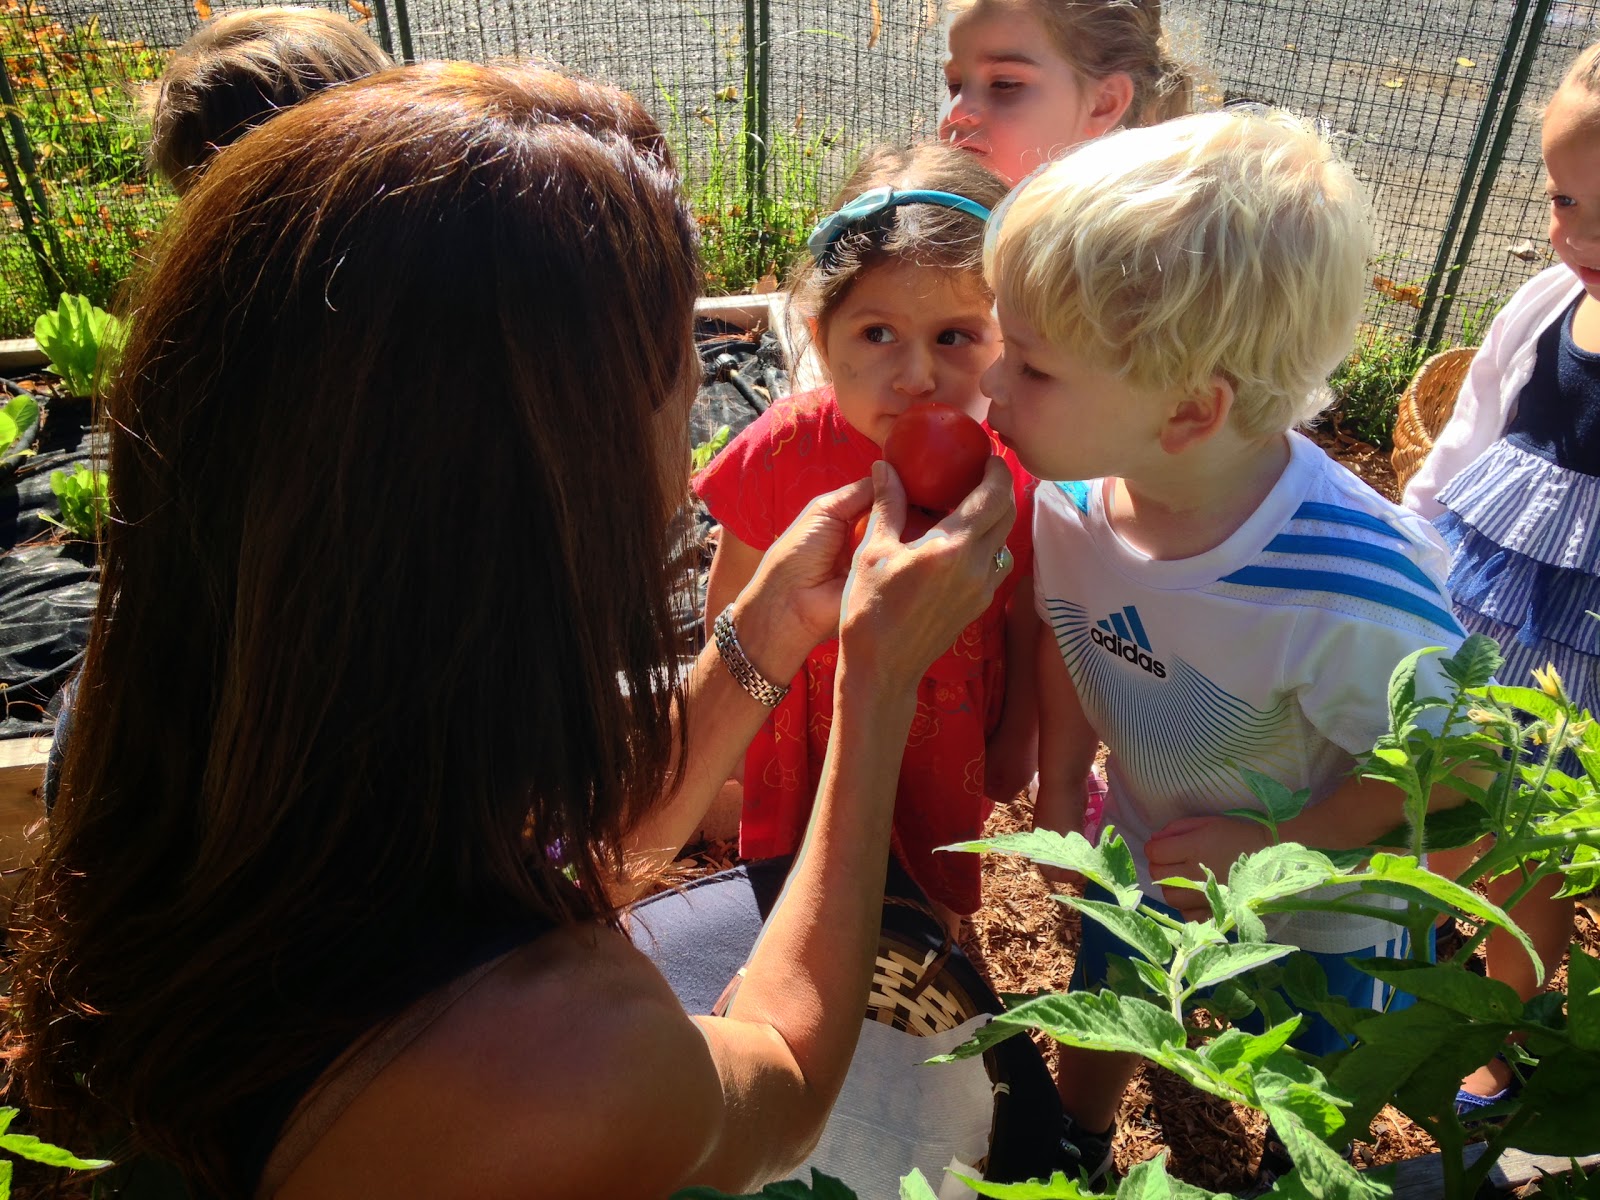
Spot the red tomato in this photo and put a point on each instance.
(917, 524)
(939, 453)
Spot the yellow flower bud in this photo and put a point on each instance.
(1549, 682)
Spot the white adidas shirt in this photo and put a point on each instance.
(1273, 651)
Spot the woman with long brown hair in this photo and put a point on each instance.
(395, 439)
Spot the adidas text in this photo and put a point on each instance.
(1132, 653)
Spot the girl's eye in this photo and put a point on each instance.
(880, 334)
(1005, 85)
(1560, 201)
(955, 337)
(953, 86)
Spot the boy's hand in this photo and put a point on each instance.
(1181, 847)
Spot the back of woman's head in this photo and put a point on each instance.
(928, 235)
(1101, 38)
(391, 445)
(241, 68)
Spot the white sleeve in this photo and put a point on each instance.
(1483, 406)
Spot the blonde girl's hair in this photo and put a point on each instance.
(1585, 71)
(1101, 38)
(242, 67)
(921, 234)
(1228, 244)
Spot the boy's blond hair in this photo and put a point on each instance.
(1228, 244)
(240, 68)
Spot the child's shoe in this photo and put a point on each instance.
(1085, 1155)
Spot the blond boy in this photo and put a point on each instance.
(1221, 594)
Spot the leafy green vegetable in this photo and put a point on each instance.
(20, 415)
(702, 454)
(84, 500)
(75, 336)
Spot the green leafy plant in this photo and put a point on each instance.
(17, 419)
(1367, 385)
(702, 454)
(84, 500)
(1544, 823)
(22, 1145)
(75, 336)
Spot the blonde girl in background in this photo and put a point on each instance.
(1030, 79)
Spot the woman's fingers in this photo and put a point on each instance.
(906, 603)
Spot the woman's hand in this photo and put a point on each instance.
(904, 605)
(792, 601)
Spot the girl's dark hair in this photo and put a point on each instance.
(239, 69)
(1107, 37)
(395, 440)
(925, 234)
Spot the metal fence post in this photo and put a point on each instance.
(385, 34)
(402, 19)
(757, 81)
(22, 177)
(1497, 151)
(1469, 170)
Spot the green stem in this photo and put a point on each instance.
(1474, 1177)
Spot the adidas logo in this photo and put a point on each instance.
(1122, 633)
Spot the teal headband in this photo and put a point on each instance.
(869, 204)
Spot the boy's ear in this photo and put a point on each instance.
(1198, 416)
(1109, 101)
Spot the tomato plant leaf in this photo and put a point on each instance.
(1103, 1021)
(1217, 963)
(1234, 1046)
(1474, 662)
(1449, 986)
(1561, 1095)
(1057, 1187)
(27, 1146)
(5, 1179)
(1583, 999)
(1109, 864)
(1146, 936)
(915, 1186)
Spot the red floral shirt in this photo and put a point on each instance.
(798, 449)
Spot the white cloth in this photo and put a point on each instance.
(1488, 398)
(1272, 651)
(896, 1111)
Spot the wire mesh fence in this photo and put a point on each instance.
(770, 101)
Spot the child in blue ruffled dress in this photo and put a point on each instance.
(1513, 484)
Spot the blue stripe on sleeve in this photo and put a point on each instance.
(1345, 585)
(1311, 510)
(1290, 543)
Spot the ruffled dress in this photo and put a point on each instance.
(1523, 524)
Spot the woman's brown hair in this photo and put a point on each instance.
(384, 634)
(241, 68)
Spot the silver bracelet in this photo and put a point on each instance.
(744, 674)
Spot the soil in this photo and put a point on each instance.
(1024, 941)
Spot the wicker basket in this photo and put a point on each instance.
(1425, 407)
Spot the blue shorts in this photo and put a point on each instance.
(1316, 1035)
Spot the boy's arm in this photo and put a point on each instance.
(1353, 814)
(1012, 754)
(1067, 744)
